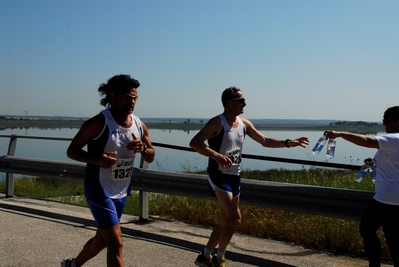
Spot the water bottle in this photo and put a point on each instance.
(373, 172)
(330, 149)
(362, 173)
(319, 145)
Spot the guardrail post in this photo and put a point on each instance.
(10, 176)
(143, 197)
(325, 201)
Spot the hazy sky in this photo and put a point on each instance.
(293, 59)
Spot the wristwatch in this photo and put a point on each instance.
(144, 147)
(286, 142)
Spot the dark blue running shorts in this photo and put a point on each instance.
(225, 183)
(106, 211)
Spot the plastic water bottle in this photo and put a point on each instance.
(362, 173)
(319, 145)
(373, 172)
(330, 149)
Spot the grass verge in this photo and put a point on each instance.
(320, 233)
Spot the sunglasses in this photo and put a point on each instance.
(132, 97)
(239, 99)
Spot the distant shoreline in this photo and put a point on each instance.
(76, 123)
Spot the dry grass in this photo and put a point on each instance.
(311, 231)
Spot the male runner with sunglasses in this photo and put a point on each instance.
(225, 134)
(113, 138)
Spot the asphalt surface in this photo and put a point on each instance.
(41, 233)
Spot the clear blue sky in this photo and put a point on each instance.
(293, 59)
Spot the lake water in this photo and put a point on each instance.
(177, 161)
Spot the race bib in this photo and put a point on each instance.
(234, 156)
(123, 169)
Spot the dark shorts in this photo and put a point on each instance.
(225, 183)
(106, 211)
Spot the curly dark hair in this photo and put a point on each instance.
(229, 93)
(393, 112)
(118, 84)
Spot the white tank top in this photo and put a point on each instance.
(228, 141)
(116, 180)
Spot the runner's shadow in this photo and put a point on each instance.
(132, 233)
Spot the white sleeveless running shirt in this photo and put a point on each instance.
(115, 181)
(228, 141)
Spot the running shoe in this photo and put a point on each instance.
(216, 262)
(69, 262)
(203, 261)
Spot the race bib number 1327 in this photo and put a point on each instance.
(123, 169)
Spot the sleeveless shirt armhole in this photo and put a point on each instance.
(105, 124)
(244, 129)
(139, 126)
(221, 126)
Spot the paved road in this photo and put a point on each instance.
(37, 233)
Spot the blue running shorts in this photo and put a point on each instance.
(225, 183)
(106, 211)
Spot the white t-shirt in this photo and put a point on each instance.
(387, 163)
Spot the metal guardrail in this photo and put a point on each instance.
(332, 202)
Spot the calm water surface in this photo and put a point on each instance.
(177, 161)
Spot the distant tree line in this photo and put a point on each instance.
(353, 123)
(3, 118)
(188, 121)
